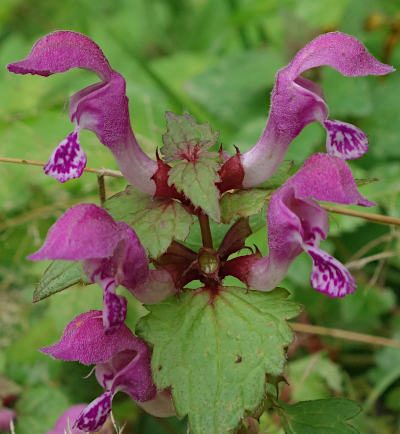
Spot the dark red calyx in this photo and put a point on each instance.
(160, 178)
(231, 174)
(180, 262)
(239, 267)
(235, 238)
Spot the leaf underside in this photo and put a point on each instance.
(214, 352)
(243, 203)
(184, 135)
(156, 221)
(59, 275)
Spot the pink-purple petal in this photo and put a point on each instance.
(84, 340)
(84, 231)
(345, 140)
(340, 51)
(95, 414)
(129, 371)
(134, 263)
(6, 416)
(327, 178)
(60, 51)
(329, 275)
(67, 160)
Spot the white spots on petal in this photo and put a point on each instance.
(68, 159)
(114, 311)
(329, 275)
(95, 414)
(345, 140)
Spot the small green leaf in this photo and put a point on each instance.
(59, 275)
(156, 221)
(196, 179)
(321, 416)
(242, 203)
(185, 136)
(215, 349)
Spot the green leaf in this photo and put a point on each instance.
(185, 136)
(156, 221)
(196, 179)
(59, 275)
(321, 416)
(214, 351)
(242, 203)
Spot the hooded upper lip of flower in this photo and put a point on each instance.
(297, 223)
(112, 255)
(101, 108)
(296, 102)
(122, 364)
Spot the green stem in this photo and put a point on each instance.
(102, 189)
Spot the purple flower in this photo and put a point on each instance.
(6, 416)
(296, 223)
(101, 108)
(112, 255)
(122, 365)
(296, 102)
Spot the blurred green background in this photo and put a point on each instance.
(217, 60)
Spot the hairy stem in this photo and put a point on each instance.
(102, 189)
(344, 334)
(104, 172)
(205, 231)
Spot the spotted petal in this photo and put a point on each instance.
(95, 414)
(329, 275)
(67, 160)
(114, 309)
(345, 140)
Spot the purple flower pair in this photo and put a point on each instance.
(122, 364)
(112, 255)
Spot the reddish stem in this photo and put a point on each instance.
(205, 231)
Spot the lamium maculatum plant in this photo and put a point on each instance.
(213, 352)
